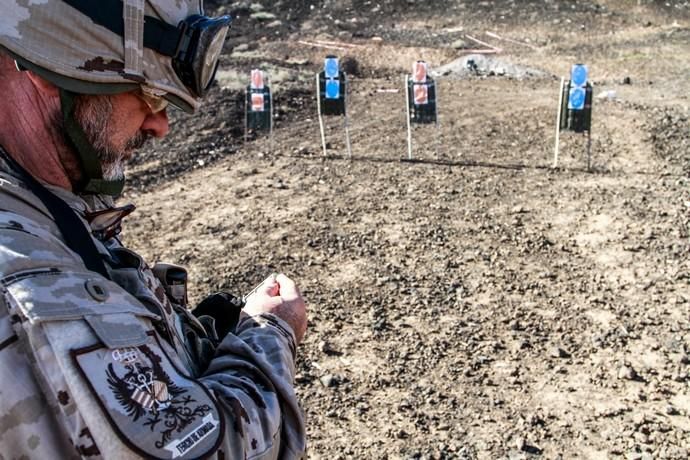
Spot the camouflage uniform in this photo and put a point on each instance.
(98, 368)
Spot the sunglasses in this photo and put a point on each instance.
(107, 223)
(155, 103)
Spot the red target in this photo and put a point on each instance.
(420, 72)
(258, 102)
(257, 79)
(421, 94)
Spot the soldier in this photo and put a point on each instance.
(99, 354)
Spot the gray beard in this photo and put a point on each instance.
(93, 113)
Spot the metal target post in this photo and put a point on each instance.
(318, 107)
(589, 137)
(270, 99)
(558, 122)
(347, 117)
(271, 140)
(406, 82)
(246, 116)
(438, 120)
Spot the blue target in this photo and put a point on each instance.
(332, 89)
(576, 100)
(331, 67)
(579, 75)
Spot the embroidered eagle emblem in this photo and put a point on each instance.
(146, 390)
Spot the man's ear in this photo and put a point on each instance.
(43, 85)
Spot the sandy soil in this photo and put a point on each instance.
(475, 303)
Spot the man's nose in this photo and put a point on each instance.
(156, 124)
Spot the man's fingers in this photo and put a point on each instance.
(260, 302)
(288, 288)
(268, 287)
(280, 296)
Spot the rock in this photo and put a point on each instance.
(670, 410)
(641, 438)
(330, 381)
(459, 44)
(263, 16)
(626, 372)
(274, 24)
(609, 95)
(520, 443)
(557, 352)
(241, 48)
(328, 349)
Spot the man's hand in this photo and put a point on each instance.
(279, 296)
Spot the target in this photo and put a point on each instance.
(421, 94)
(578, 87)
(575, 108)
(257, 79)
(579, 75)
(259, 104)
(331, 67)
(332, 89)
(331, 98)
(420, 71)
(576, 98)
(421, 101)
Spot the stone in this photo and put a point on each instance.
(557, 352)
(329, 381)
(670, 410)
(459, 44)
(626, 372)
(263, 16)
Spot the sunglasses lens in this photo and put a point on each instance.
(155, 103)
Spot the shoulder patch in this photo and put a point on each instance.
(154, 408)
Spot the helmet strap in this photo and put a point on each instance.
(92, 174)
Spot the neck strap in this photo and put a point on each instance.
(73, 229)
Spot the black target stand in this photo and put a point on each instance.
(332, 98)
(258, 105)
(575, 109)
(421, 102)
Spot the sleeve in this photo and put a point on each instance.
(252, 378)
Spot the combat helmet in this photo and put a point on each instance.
(165, 48)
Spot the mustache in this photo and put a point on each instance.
(137, 142)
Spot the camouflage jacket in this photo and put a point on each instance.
(104, 368)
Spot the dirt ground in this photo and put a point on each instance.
(475, 303)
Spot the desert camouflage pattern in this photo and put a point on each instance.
(58, 38)
(94, 368)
